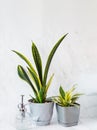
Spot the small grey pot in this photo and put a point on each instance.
(68, 116)
(41, 113)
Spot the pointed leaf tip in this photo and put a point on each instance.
(62, 92)
(37, 60)
(51, 54)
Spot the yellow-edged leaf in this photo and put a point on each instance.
(35, 78)
(37, 60)
(49, 82)
(25, 59)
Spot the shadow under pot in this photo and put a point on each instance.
(41, 113)
(68, 116)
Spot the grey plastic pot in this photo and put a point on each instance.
(68, 116)
(41, 113)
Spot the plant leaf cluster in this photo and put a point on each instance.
(67, 98)
(35, 76)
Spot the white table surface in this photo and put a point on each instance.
(84, 124)
(88, 119)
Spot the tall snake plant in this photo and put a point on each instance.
(37, 79)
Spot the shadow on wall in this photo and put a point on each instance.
(88, 106)
(88, 85)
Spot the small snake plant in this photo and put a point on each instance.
(35, 76)
(66, 98)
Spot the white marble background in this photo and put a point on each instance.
(44, 22)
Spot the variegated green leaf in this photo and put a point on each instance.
(34, 100)
(62, 92)
(69, 96)
(77, 94)
(74, 99)
(37, 60)
(23, 75)
(56, 101)
(50, 57)
(42, 96)
(49, 83)
(35, 78)
(72, 89)
(25, 59)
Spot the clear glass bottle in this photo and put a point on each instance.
(23, 119)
